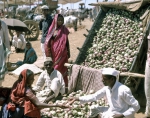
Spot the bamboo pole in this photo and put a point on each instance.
(137, 75)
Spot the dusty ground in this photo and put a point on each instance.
(76, 40)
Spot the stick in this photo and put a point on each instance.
(121, 73)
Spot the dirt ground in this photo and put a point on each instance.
(76, 40)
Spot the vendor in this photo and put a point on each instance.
(19, 41)
(53, 79)
(122, 103)
(30, 55)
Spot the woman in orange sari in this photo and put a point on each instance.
(23, 98)
(57, 45)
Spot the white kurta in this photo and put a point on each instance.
(120, 100)
(19, 42)
(4, 43)
(54, 82)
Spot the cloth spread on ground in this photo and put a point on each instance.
(39, 62)
(84, 78)
(32, 67)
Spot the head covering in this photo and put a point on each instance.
(18, 96)
(48, 59)
(45, 7)
(111, 71)
(60, 39)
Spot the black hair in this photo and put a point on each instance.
(59, 15)
(29, 72)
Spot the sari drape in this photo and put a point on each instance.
(56, 47)
(18, 96)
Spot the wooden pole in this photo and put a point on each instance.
(4, 4)
(137, 75)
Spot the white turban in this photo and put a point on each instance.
(111, 71)
(48, 59)
(45, 7)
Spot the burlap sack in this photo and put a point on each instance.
(132, 6)
(145, 18)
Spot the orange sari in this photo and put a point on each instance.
(18, 96)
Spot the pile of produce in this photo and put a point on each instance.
(117, 42)
(77, 111)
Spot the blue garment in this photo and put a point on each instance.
(27, 58)
(19, 113)
(44, 26)
(30, 59)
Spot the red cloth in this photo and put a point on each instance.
(56, 47)
(18, 96)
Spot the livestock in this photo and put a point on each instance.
(22, 11)
(79, 13)
(71, 21)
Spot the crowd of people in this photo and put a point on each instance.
(26, 101)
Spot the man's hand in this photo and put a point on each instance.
(72, 100)
(118, 116)
(63, 106)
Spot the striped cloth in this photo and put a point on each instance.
(3, 67)
(85, 78)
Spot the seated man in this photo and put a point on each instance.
(54, 83)
(122, 103)
(30, 55)
(19, 42)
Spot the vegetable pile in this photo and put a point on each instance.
(117, 42)
(77, 111)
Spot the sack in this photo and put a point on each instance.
(11, 106)
(4, 95)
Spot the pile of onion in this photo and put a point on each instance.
(78, 110)
(117, 41)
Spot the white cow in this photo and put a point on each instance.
(64, 12)
(71, 21)
(38, 18)
(80, 14)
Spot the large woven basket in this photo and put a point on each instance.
(11, 66)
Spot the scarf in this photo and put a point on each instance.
(18, 96)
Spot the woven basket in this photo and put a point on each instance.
(11, 66)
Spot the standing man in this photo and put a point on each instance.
(122, 103)
(44, 25)
(4, 48)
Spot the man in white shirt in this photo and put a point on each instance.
(122, 103)
(53, 80)
(19, 42)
